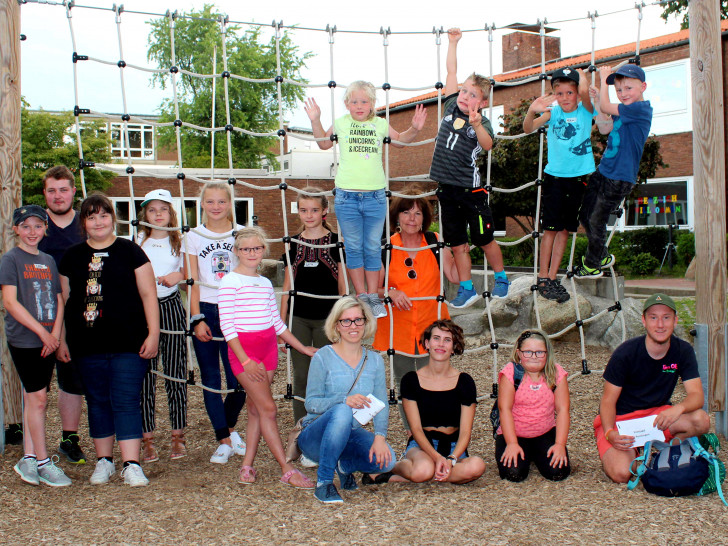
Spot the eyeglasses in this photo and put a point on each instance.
(359, 321)
(251, 249)
(531, 354)
(409, 262)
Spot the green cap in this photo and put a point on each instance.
(659, 299)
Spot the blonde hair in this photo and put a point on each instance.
(216, 186)
(482, 83)
(175, 237)
(249, 232)
(549, 370)
(368, 89)
(322, 199)
(344, 304)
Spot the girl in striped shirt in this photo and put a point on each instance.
(250, 322)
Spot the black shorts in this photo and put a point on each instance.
(35, 371)
(560, 202)
(464, 208)
(69, 377)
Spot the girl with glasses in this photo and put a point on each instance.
(250, 322)
(533, 399)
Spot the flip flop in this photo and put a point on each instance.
(286, 478)
(247, 475)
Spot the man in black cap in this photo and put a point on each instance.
(639, 381)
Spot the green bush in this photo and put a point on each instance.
(644, 264)
(685, 247)
(579, 251)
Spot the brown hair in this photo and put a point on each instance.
(482, 83)
(59, 172)
(93, 204)
(322, 199)
(175, 237)
(401, 204)
(549, 370)
(446, 325)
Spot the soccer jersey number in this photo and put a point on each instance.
(454, 140)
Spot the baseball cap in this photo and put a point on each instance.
(160, 195)
(628, 71)
(565, 73)
(23, 213)
(659, 299)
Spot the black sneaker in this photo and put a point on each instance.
(14, 434)
(559, 290)
(71, 449)
(545, 289)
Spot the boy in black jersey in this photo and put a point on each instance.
(463, 134)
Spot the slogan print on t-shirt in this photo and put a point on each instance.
(44, 298)
(220, 260)
(363, 140)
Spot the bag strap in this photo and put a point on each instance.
(641, 469)
(518, 373)
(700, 451)
(366, 355)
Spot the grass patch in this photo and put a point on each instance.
(686, 310)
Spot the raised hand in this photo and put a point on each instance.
(454, 35)
(312, 109)
(419, 118)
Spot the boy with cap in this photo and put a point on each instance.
(570, 160)
(639, 381)
(628, 125)
(31, 290)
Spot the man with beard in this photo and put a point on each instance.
(64, 231)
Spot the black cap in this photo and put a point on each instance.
(23, 213)
(565, 73)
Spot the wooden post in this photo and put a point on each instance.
(709, 172)
(10, 186)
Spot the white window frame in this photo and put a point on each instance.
(118, 148)
(622, 222)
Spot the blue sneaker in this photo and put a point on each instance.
(347, 481)
(465, 298)
(327, 494)
(500, 288)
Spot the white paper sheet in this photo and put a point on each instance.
(364, 415)
(643, 430)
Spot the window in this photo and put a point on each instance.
(141, 141)
(243, 208)
(496, 118)
(659, 202)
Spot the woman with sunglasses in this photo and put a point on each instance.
(344, 377)
(533, 399)
(413, 274)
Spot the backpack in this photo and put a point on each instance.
(677, 470)
(518, 372)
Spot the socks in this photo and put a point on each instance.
(43, 462)
(467, 285)
(66, 435)
(501, 275)
(29, 457)
(110, 459)
(127, 463)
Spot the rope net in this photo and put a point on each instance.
(173, 72)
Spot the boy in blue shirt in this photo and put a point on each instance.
(570, 160)
(628, 125)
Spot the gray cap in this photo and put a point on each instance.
(23, 213)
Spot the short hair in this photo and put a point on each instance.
(344, 304)
(482, 83)
(249, 232)
(401, 204)
(368, 89)
(216, 186)
(446, 325)
(549, 369)
(59, 172)
(559, 81)
(93, 204)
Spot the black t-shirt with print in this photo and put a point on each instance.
(646, 382)
(104, 313)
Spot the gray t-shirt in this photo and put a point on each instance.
(38, 285)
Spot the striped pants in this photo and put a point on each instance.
(173, 352)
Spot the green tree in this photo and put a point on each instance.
(49, 139)
(253, 106)
(680, 7)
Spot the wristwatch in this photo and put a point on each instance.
(196, 319)
(452, 459)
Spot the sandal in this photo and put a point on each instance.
(307, 484)
(178, 449)
(366, 479)
(247, 475)
(149, 452)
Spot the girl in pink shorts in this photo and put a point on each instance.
(250, 322)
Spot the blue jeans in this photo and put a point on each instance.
(113, 388)
(602, 196)
(361, 217)
(330, 439)
(223, 415)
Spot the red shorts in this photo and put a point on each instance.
(603, 444)
(260, 346)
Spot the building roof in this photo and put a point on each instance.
(675, 39)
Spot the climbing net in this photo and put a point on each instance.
(174, 72)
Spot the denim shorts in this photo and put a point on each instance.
(361, 216)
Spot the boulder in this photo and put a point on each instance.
(273, 270)
(471, 323)
(557, 316)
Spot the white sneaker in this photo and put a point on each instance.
(50, 474)
(222, 454)
(103, 471)
(134, 475)
(238, 443)
(306, 462)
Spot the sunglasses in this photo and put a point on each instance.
(409, 262)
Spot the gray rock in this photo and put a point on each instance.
(557, 316)
(273, 270)
(471, 323)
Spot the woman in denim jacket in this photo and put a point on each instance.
(331, 436)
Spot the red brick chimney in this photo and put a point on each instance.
(523, 47)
